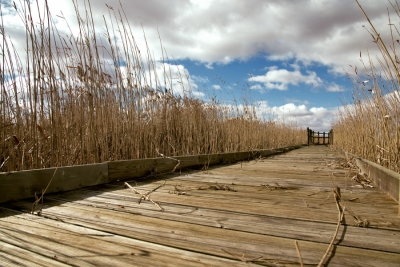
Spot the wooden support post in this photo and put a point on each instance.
(313, 137)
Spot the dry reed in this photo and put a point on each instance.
(81, 97)
(370, 126)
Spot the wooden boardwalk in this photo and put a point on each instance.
(243, 214)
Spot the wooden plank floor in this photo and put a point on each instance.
(266, 205)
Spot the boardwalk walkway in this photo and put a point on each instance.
(244, 214)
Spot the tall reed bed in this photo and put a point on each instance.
(86, 97)
(370, 126)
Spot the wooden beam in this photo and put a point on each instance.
(23, 184)
(385, 179)
(126, 169)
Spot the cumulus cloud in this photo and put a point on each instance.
(216, 87)
(280, 78)
(309, 31)
(317, 118)
(333, 87)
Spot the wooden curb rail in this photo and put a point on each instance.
(385, 179)
(23, 184)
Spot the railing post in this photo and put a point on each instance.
(308, 135)
(313, 137)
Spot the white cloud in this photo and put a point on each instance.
(297, 101)
(257, 87)
(199, 79)
(216, 87)
(281, 78)
(325, 32)
(333, 87)
(177, 79)
(209, 65)
(317, 118)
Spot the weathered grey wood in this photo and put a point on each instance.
(185, 162)
(309, 230)
(130, 168)
(386, 179)
(54, 243)
(212, 159)
(18, 185)
(275, 201)
(126, 169)
(210, 240)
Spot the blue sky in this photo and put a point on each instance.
(289, 57)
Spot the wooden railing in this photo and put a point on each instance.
(320, 138)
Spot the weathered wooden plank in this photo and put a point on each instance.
(185, 162)
(387, 180)
(18, 185)
(253, 220)
(71, 244)
(212, 159)
(126, 169)
(309, 230)
(210, 240)
(282, 206)
(130, 168)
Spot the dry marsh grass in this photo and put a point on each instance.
(81, 97)
(370, 126)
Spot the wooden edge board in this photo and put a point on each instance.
(125, 169)
(24, 184)
(385, 179)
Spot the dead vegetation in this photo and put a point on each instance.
(41, 198)
(277, 186)
(178, 191)
(63, 102)
(369, 126)
(217, 186)
(146, 196)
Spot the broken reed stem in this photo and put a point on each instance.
(242, 258)
(147, 195)
(177, 160)
(37, 200)
(336, 192)
(298, 253)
